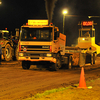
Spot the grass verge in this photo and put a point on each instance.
(70, 93)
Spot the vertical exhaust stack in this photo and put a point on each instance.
(50, 4)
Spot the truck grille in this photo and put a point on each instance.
(36, 48)
(34, 52)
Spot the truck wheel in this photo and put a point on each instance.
(8, 52)
(16, 53)
(25, 64)
(57, 65)
(70, 62)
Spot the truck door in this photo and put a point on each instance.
(55, 44)
(62, 43)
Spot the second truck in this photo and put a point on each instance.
(9, 45)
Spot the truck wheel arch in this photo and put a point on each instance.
(57, 65)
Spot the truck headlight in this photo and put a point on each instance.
(49, 55)
(83, 39)
(20, 54)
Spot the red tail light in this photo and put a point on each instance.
(19, 47)
(50, 48)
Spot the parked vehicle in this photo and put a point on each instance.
(9, 45)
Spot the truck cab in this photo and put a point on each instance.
(4, 34)
(40, 43)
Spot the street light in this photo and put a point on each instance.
(0, 2)
(93, 16)
(64, 13)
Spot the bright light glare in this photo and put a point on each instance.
(65, 11)
(49, 55)
(0, 2)
(89, 16)
(20, 54)
(83, 39)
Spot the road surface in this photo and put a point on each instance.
(17, 83)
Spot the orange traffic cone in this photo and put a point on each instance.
(82, 83)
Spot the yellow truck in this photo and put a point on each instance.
(41, 44)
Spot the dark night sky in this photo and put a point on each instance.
(14, 13)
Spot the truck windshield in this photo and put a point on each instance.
(36, 34)
(86, 33)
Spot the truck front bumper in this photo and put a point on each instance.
(50, 59)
